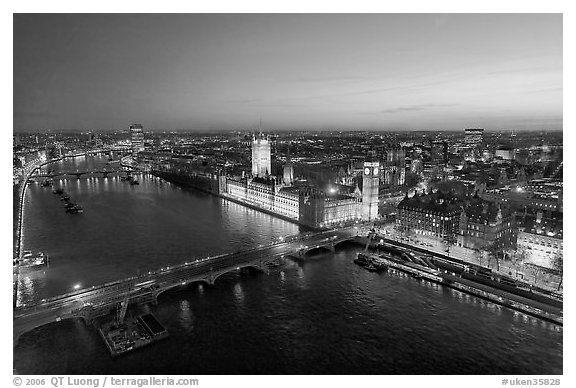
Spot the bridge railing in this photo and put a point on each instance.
(127, 280)
(149, 274)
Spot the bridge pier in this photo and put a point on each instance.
(262, 268)
(211, 277)
(154, 300)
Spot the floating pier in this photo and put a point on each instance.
(132, 334)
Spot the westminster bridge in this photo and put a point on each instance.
(96, 301)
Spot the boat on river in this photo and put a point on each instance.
(30, 260)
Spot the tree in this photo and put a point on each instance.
(536, 272)
(404, 232)
(496, 251)
(448, 241)
(480, 257)
(558, 265)
(518, 258)
(508, 255)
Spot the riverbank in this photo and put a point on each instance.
(536, 286)
(204, 185)
(531, 303)
(16, 204)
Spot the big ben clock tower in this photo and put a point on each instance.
(370, 183)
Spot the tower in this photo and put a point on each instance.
(260, 156)
(137, 137)
(473, 137)
(370, 184)
(288, 171)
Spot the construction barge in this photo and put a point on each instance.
(132, 333)
(415, 270)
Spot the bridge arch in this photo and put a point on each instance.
(218, 274)
(317, 249)
(344, 242)
(20, 329)
(179, 284)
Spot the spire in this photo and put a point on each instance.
(260, 129)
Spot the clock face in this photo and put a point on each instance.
(376, 171)
(366, 171)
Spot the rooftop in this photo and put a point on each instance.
(437, 202)
(551, 227)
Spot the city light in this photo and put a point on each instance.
(453, 208)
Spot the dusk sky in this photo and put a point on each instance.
(308, 71)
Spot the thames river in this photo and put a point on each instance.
(326, 316)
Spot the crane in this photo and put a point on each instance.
(121, 309)
(371, 236)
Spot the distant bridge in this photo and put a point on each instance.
(78, 174)
(90, 303)
(325, 244)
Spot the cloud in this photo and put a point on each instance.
(545, 90)
(412, 108)
(337, 78)
(242, 101)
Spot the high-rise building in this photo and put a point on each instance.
(137, 137)
(370, 184)
(473, 137)
(260, 156)
(439, 152)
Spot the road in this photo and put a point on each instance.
(28, 317)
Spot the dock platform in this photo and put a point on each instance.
(131, 334)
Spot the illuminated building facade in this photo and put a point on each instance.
(483, 223)
(370, 185)
(261, 157)
(321, 210)
(137, 137)
(541, 237)
(436, 215)
(473, 137)
(265, 193)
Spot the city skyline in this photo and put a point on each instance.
(304, 71)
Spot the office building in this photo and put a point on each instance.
(473, 137)
(137, 137)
